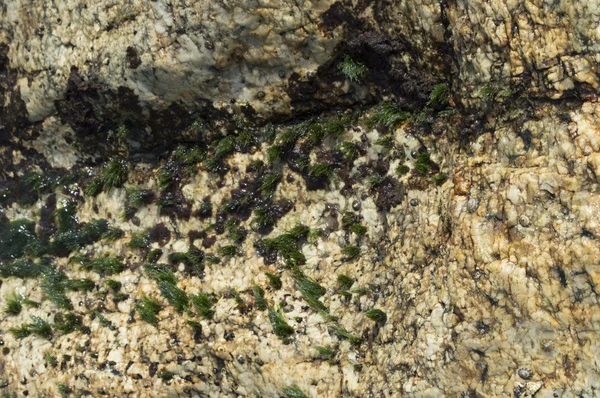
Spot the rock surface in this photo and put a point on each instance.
(482, 254)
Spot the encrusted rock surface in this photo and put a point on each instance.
(482, 253)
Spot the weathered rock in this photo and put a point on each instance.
(488, 278)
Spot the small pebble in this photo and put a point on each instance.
(525, 373)
(472, 205)
(356, 205)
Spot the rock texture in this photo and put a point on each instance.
(482, 256)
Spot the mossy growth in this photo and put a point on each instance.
(66, 216)
(160, 273)
(376, 315)
(287, 245)
(439, 179)
(153, 256)
(81, 285)
(141, 240)
(353, 70)
(164, 178)
(268, 133)
(274, 153)
(487, 92)
(259, 297)
(388, 114)
(263, 219)
(311, 291)
(349, 219)
(268, 184)
(38, 327)
(78, 237)
(63, 388)
(51, 359)
(105, 265)
(203, 304)
(46, 183)
(228, 251)
(112, 234)
(174, 295)
(321, 170)
(345, 282)
(350, 252)
(113, 285)
(315, 234)
(205, 209)
(358, 229)
(135, 198)
(189, 155)
(167, 284)
(54, 285)
(67, 323)
(196, 326)
(22, 268)
(375, 181)
(165, 376)
(97, 314)
(326, 353)
(236, 233)
(114, 174)
(423, 163)
(274, 281)
(224, 147)
(349, 149)
(343, 334)
(14, 303)
(280, 326)
(386, 142)
(402, 170)
(293, 392)
(176, 258)
(148, 310)
(16, 238)
(93, 187)
(440, 95)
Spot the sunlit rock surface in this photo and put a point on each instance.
(483, 256)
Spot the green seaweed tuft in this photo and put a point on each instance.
(440, 95)
(114, 174)
(274, 281)
(259, 297)
(350, 252)
(345, 335)
(148, 310)
(14, 303)
(352, 69)
(141, 240)
(203, 303)
(293, 392)
(423, 163)
(54, 284)
(281, 328)
(38, 327)
(376, 315)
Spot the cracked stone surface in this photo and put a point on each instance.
(488, 278)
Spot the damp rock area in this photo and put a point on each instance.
(308, 199)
